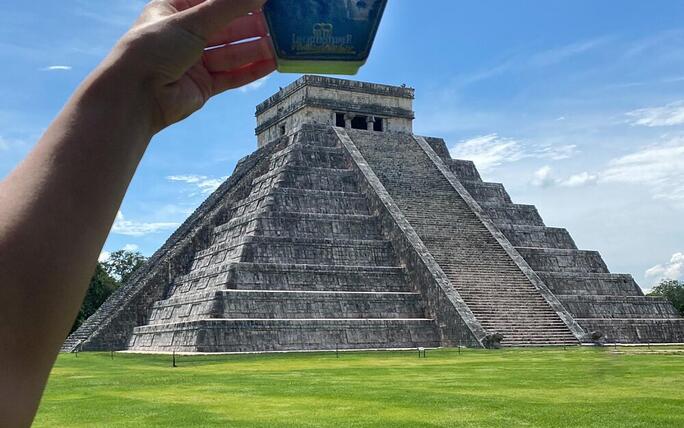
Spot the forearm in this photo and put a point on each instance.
(56, 210)
(57, 207)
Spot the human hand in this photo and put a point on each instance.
(166, 51)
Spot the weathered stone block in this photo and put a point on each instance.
(538, 236)
(487, 193)
(555, 260)
(610, 284)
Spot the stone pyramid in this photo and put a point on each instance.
(344, 230)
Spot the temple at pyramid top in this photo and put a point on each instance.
(329, 101)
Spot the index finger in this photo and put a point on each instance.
(244, 27)
(209, 16)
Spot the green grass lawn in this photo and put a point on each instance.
(635, 387)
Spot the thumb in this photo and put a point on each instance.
(210, 16)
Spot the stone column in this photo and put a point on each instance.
(370, 123)
(348, 120)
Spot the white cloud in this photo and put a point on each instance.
(131, 247)
(660, 167)
(554, 152)
(579, 180)
(672, 270)
(543, 177)
(540, 59)
(58, 68)
(668, 115)
(663, 40)
(204, 184)
(490, 151)
(255, 85)
(134, 228)
(562, 53)
(104, 256)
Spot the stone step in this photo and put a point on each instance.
(575, 283)
(340, 180)
(501, 297)
(529, 344)
(556, 260)
(256, 249)
(464, 170)
(631, 330)
(512, 312)
(532, 332)
(497, 290)
(618, 306)
(487, 193)
(538, 340)
(514, 319)
(313, 136)
(350, 252)
(440, 147)
(321, 157)
(313, 277)
(331, 226)
(254, 335)
(303, 201)
(192, 306)
(521, 324)
(511, 302)
(238, 304)
(311, 178)
(542, 339)
(299, 225)
(538, 236)
(518, 310)
(264, 276)
(307, 201)
(305, 154)
(532, 336)
(505, 214)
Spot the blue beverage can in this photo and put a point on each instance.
(323, 36)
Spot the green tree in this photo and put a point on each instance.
(673, 291)
(121, 264)
(102, 285)
(109, 275)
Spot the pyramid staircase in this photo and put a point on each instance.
(600, 301)
(299, 264)
(500, 296)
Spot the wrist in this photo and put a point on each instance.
(124, 93)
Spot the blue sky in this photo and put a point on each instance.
(578, 107)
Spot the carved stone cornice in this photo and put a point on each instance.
(339, 84)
